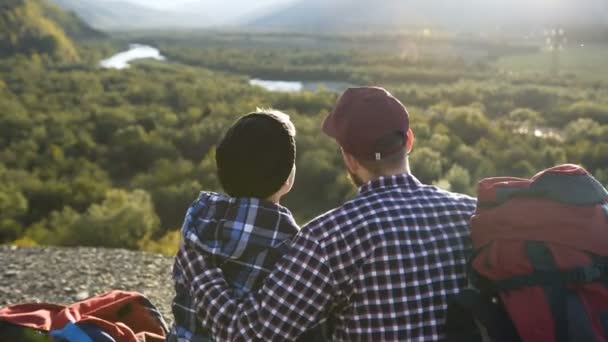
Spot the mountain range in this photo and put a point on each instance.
(125, 15)
(462, 15)
(346, 15)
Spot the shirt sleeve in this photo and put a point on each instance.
(293, 299)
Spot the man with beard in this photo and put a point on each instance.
(380, 267)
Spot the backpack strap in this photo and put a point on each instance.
(541, 258)
(576, 275)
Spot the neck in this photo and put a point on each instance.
(406, 167)
(276, 198)
(403, 169)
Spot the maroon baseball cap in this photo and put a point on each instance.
(362, 117)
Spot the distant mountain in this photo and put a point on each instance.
(229, 13)
(37, 27)
(345, 15)
(125, 15)
(463, 15)
(69, 21)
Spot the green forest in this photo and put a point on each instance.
(101, 157)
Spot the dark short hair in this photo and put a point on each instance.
(392, 142)
(257, 154)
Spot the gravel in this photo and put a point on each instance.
(67, 275)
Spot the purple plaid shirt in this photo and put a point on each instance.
(381, 267)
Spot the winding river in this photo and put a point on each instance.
(138, 51)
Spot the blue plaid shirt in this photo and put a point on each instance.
(381, 266)
(244, 237)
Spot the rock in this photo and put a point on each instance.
(11, 273)
(82, 295)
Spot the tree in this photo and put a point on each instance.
(426, 164)
(459, 179)
(55, 229)
(71, 133)
(120, 221)
(591, 110)
(524, 118)
(134, 150)
(468, 123)
(583, 128)
(602, 176)
(171, 202)
(470, 158)
(14, 123)
(206, 173)
(167, 245)
(13, 205)
(318, 168)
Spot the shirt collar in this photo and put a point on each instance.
(259, 203)
(402, 180)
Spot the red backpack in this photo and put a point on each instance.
(124, 316)
(540, 267)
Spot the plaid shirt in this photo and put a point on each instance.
(381, 266)
(245, 237)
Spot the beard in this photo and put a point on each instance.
(356, 180)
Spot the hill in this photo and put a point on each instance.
(124, 15)
(466, 15)
(35, 27)
(69, 21)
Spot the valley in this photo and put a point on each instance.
(109, 157)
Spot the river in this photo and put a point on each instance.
(136, 51)
(298, 86)
(121, 60)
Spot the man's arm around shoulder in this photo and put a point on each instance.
(293, 298)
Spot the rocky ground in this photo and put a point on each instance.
(67, 275)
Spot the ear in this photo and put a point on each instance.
(351, 163)
(289, 181)
(410, 141)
